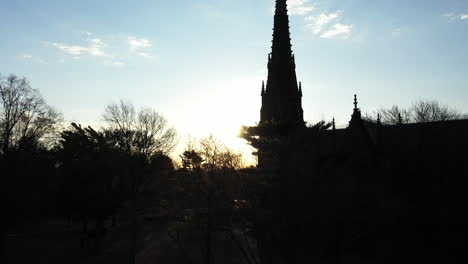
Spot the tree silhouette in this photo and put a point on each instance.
(144, 131)
(321, 126)
(28, 127)
(24, 113)
(191, 160)
(421, 111)
(95, 175)
(432, 111)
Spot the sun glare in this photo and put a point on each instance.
(222, 113)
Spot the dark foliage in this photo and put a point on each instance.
(93, 172)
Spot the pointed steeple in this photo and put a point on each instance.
(282, 98)
(357, 137)
(281, 45)
(281, 7)
(356, 116)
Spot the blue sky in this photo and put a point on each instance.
(201, 62)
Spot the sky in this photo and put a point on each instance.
(200, 63)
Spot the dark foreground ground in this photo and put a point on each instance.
(52, 241)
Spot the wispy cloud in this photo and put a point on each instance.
(316, 23)
(70, 49)
(136, 43)
(451, 16)
(321, 24)
(396, 32)
(140, 46)
(115, 50)
(144, 54)
(118, 63)
(32, 58)
(114, 63)
(338, 31)
(95, 48)
(300, 7)
(456, 17)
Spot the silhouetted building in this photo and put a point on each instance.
(379, 193)
(282, 95)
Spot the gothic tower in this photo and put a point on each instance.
(282, 96)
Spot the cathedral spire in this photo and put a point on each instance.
(281, 6)
(282, 98)
(281, 45)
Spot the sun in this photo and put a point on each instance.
(223, 112)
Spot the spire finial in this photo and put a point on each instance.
(334, 124)
(355, 102)
(281, 6)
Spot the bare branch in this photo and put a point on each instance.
(146, 131)
(432, 111)
(420, 112)
(24, 113)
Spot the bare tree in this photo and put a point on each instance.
(153, 132)
(121, 116)
(218, 155)
(432, 111)
(24, 113)
(419, 112)
(392, 116)
(396, 115)
(145, 131)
